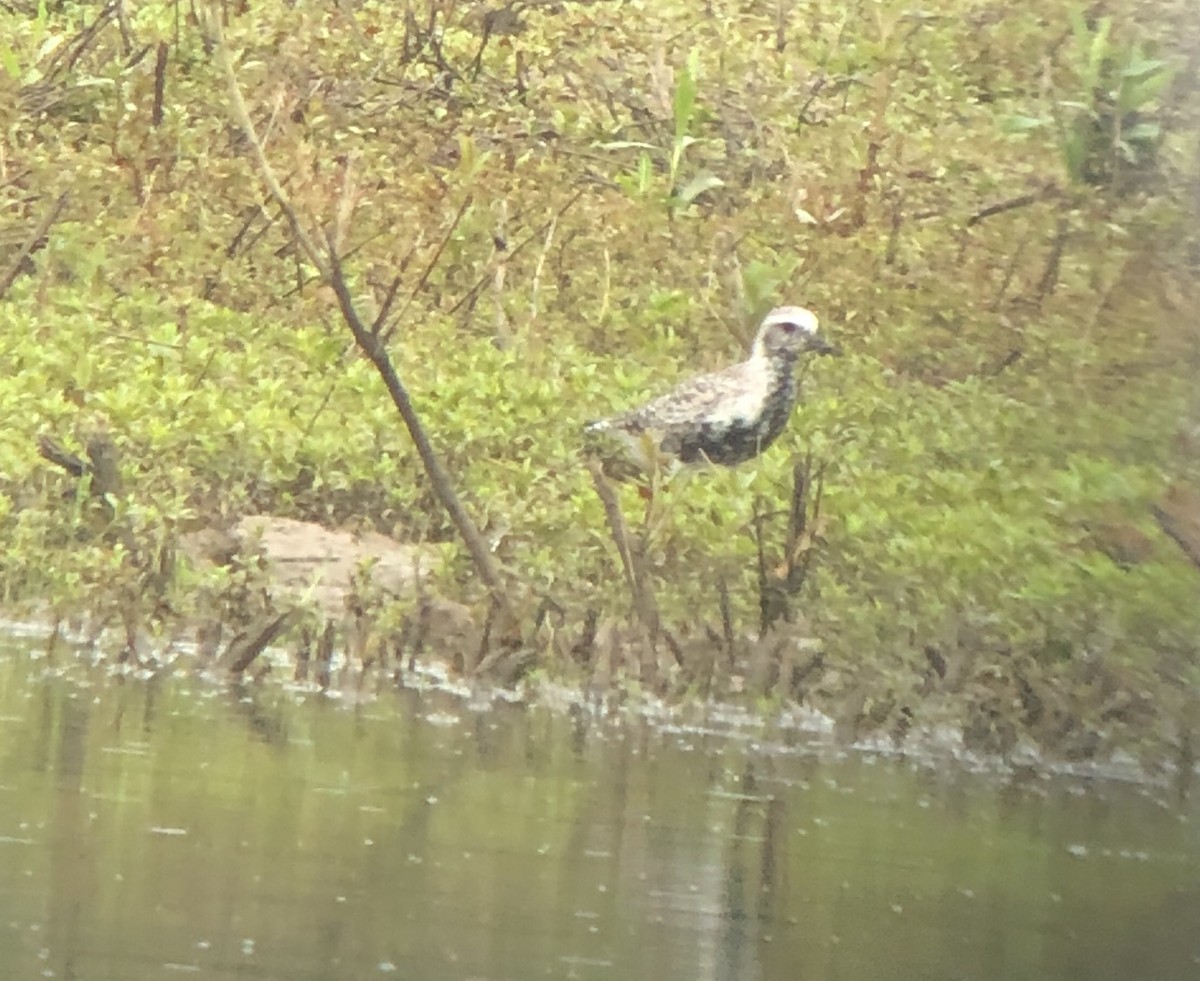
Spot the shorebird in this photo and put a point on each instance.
(726, 417)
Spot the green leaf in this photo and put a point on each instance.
(8, 60)
(1143, 133)
(696, 186)
(685, 96)
(1022, 124)
(1083, 36)
(1137, 93)
(645, 174)
(1099, 51)
(1140, 67)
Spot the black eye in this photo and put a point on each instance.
(788, 327)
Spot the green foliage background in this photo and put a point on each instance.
(637, 181)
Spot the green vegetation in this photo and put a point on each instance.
(1108, 132)
(558, 209)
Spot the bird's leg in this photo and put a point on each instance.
(660, 482)
(648, 452)
(648, 492)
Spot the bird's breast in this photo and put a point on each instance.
(743, 425)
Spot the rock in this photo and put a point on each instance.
(318, 565)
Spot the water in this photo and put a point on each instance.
(165, 829)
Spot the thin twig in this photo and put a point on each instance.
(473, 293)
(244, 648)
(386, 307)
(429, 266)
(1049, 278)
(616, 520)
(1010, 270)
(32, 244)
(242, 116)
(804, 548)
(1021, 201)
(160, 84)
(535, 286)
(502, 335)
(727, 635)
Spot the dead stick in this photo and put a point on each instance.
(537, 233)
(439, 478)
(1021, 201)
(245, 648)
(432, 264)
(1049, 278)
(616, 521)
(329, 265)
(160, 84)
(633, 558)
(32, 244)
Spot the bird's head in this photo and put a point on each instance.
(789, 332)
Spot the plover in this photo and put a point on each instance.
(726, 417)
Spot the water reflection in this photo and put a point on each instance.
(153, 828)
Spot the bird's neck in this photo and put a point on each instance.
(779, 367)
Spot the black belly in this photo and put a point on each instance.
(727, 445)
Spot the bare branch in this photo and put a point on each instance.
(1011, 204)
(473, 293)
(616, 521)
(241, 116)
(160, 84)
(32, 244)
(1178, 515)
(443, 486)
(437, 255)
(244, 648)
(330, 267)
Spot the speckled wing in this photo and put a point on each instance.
(687, 404)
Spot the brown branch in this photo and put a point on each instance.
(102, 465)
(385, 308)
(1178, 515)
(1058, 247)
(65, 59)
(633, 558)
(429, 267)
(34, 242)
(1010, 270)
(616, 521)
(329, 265)
(55, 453)
(727, 634)
(245, 647)
(443, 486)
(160, 84)
(1011, 204)
(252, 215)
